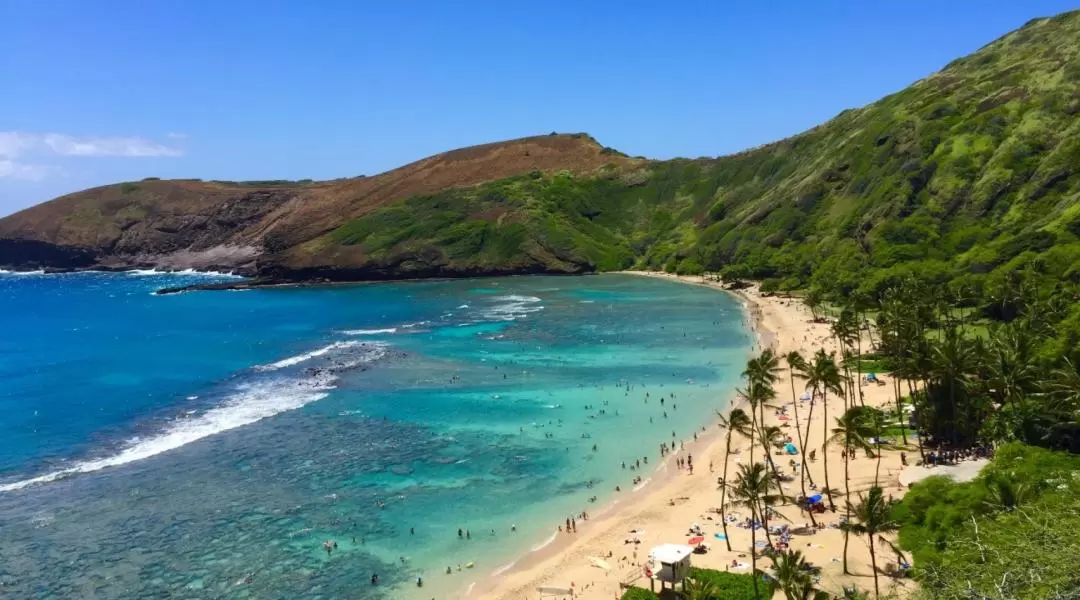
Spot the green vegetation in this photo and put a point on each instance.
(708, 584)
(636, 593)
(963, 178)
(1011, 533)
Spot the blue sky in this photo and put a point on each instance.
(105, 91)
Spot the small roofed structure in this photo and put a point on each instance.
(668, 563)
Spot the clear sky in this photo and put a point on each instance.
(99, 91)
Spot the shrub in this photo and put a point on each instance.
(636, 593)
(733, 586)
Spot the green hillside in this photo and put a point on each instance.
(965, 175)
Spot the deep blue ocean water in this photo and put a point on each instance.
(205, 445)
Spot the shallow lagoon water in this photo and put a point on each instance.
(205, 445)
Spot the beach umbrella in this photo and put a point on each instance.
(694, 541)
(814, 499)
(805, 396)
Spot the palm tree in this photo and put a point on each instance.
(772, 437)
(872, 520)
(736, 422)
(751, 490)
(762, 373)
(796, 368)
(823, 376)
(853, 430)
(793, 574)
(846, 332)
(953, 363)
(698, 589)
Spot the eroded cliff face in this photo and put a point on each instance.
(32, 254)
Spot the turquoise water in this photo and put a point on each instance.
(205, 445)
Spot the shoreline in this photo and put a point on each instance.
(664, 509)
(660, 480)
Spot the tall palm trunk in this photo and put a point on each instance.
(900, 409)
(753, 556)
(723, 490)
(802, 446)
(824, 451)
(847, 494)
(809, 421)
(768, 459)
(753, 508)
(873, 565)
(918, 436)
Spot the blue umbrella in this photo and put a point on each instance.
(814, 499)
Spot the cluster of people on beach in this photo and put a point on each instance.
(953, 456)
(571, 522)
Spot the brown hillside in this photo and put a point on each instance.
(177, 223)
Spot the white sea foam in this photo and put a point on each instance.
(503, 569)
(416, 324)
(545, 543)
(22, 273)
(513, 307)
(299, 358)
(369, 331)
(248, 403)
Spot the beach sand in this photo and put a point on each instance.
(673, 499)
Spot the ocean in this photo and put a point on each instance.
(207, 444)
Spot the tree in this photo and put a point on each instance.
(823, 376)
(751, 490)
(761, 374)
(813, 300)
(853, 429)
(698, 589)
(793, 575)
(871, 519)
(796, 368)
(738, 422)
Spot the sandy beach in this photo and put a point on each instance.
(674, 499)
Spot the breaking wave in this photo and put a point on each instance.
(512, 307)
(299, 358)
(245, 403)
(369, 331)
